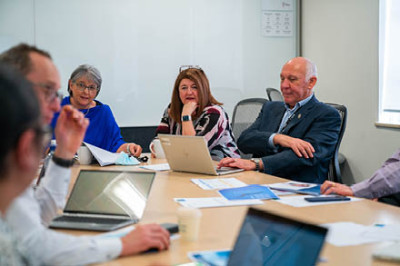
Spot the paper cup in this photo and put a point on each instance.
(189, 223)
(84, 155)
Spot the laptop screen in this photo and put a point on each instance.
(110, 192)
(268, 239)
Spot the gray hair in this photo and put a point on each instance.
(90, 72)
(311, 69)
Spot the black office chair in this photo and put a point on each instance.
(274, 95)
(334, 173)
(245, 113)
(139, 135)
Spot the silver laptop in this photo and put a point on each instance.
(191, 154)
(105, 200)
(270, 239)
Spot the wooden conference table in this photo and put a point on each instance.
(219, 226)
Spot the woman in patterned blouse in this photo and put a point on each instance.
(193, 111)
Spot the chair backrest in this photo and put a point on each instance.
(139, 135)
(245, 113)
(274, 95)
(334, 173)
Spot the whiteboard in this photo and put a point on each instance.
(138, 46)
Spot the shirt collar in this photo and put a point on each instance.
(299, 104)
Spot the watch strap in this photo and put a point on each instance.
(257, 162)
(63, 162)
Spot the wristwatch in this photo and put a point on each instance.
(186, 118)
(257, 162)
(63, 162)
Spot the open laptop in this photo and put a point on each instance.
(270, 239)
(105, 200)
(191, 154)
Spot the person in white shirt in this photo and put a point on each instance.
(30, 214)
(20, 150)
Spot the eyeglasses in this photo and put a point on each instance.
(82, 86)
(50, 93)
(184, 67)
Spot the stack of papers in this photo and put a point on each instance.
(214, 202)
(218, 183)
(105, 157)
(156, 167)
(297, 187)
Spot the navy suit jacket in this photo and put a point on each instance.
(315, 122)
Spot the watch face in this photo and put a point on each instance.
(186, 118)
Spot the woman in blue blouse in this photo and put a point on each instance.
(83, 87)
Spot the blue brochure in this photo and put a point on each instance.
(248, 192)
(211, 257)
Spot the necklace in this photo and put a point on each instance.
(87, 111)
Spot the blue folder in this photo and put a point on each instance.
(248, 192)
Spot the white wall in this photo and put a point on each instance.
(341, 37)
(138, 46)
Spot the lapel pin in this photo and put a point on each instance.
(299, 116)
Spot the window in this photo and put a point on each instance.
(389, 62)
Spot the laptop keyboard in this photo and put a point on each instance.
(96, 220)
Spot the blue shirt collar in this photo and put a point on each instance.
(299, 104)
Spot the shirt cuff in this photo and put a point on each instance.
(271, 141)
(110, 247)
(56, 178)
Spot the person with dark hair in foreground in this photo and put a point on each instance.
(21, 145)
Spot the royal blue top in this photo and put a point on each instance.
(103, 130)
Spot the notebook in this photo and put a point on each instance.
(105, 200)
(191, 154)
(270, 239)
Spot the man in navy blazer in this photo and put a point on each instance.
(294, 139)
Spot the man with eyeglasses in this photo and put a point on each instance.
(31, 212)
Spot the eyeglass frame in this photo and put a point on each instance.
(82, 87)
(184, 67)
(49, 95)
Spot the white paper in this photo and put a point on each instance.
(348, 234)
(277, 23)
(294, 185)
(102, 156)
(156, 167)
(389, 232)
(299, 201)
(214, 202)
(218, 183)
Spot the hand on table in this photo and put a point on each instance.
(144, 237)
(329, 187)
(238, 163)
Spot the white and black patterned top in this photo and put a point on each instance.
(213, 124)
